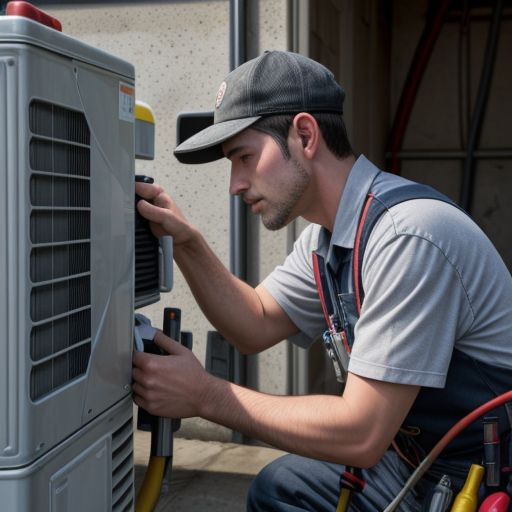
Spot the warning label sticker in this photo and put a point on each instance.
(126, 102)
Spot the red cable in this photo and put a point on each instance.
(445, 440)
(356, 252)
(412, 83)
(467, 420)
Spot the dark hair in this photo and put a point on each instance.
(331, 126)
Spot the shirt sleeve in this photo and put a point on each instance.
(292, 285)
(414, 309)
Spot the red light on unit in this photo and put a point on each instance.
(27, 10)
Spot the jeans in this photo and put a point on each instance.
(292, 483)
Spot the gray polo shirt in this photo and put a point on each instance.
(432, 280)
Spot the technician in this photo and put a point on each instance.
(427, 318)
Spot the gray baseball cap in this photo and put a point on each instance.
(274, 83)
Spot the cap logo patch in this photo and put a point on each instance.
(220, 94)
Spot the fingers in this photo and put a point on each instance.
(141, 397)
(143, 359)
(148, 191)
(154, 194)
(170, 346)
(164, 215)
(152, 212)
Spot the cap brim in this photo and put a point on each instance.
(205, 146)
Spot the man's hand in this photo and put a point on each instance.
(164, 216)
(169, 385)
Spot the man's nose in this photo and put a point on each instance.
(238, 183)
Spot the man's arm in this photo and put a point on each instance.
(354, 429)
(249, 318)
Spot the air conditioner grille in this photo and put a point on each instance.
(54, 262)
(58, 122)
(48, 226)
(55, 191)
(59, 370)
(61, 297)
(60, 256)
(59, 157)
(58, 335)
(146, 259)
(122, 468)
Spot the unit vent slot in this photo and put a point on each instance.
(47, 226)
(56, 372)
(58, 122)
(58, 335)
(58, 191)
(59, 157)
(54, 262)
(122, 468)
(60, 258)
(61, 297)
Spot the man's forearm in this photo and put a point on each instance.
(231, 305)
(325, 427)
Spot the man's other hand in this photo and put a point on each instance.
(172, 385)
(164, 215)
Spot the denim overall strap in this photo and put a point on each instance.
(375, 206)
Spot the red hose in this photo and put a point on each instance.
(445, 440)
(412, 83)
(467, 420)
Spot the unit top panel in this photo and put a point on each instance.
(16, 29)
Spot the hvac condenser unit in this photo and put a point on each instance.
(67, 271)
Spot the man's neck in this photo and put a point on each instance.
(330, 177)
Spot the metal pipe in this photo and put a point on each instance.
(477, 14)
(481, 101)
(238, 209)
(450, 154)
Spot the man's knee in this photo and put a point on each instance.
(265, 487)
(291, 483)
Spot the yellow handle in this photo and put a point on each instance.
(467, 499)
(343, 501)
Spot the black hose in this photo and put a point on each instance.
(468, 175)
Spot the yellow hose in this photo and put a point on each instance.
(343, 501)
(150, 488)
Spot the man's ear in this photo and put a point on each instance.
(306, 129)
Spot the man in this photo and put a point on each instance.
(434, 328)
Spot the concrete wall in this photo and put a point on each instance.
(370, 45)
(180, 50)
(350, 38)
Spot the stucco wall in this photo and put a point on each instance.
(180, 50)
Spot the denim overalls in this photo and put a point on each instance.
(469, 384)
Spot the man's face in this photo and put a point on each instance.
(271, 185)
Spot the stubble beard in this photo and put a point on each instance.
(279, 214)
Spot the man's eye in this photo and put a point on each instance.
(245, 158)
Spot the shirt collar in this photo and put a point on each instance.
(354, 194)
